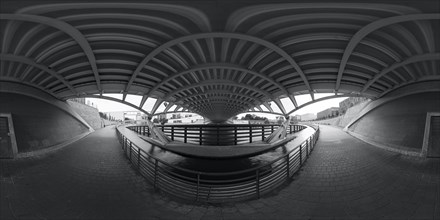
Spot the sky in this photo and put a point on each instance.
(111, 106)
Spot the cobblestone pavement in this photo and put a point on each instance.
(344, 178)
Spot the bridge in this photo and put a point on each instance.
(220, 59)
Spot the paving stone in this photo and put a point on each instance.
(348, 179)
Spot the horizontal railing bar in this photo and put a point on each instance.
(204, 186)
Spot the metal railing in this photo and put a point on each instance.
(217, 134)
(218, 187)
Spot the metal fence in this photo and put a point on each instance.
(217, 134)
(217, 187)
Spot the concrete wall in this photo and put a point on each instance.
(88, 113)
(343, 120)
(352, 113)
(398, 124)
(37, 124)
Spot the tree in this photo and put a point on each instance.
(163, 120)
(253, 117)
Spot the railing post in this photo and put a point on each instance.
(172, 133)
(139, 160)
(200, 135)
(287, 167)
(300, 154)
(130, 150)
(198, 186)
(262, 133)
(257, 183)
(307, 148)
(148, 132)
(155, 174)
(250, 134)
(235, 135)
(185, 134)
(290, 129)
(271, 129)
(218, 136)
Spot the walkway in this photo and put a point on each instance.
(344, 178)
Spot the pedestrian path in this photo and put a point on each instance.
(344, 178)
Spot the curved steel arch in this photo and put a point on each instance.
(232, 55)
(193, 37)
(171, 112)
(413, 59)
(216, 66)
(218, 82)
(221, 92)
(65, 27)
(25, 60)
(356, 39)
(193, 14)
(265, 112)
(223, 100)
(241, 15)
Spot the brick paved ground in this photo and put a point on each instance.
(344, 178)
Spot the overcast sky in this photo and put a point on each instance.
(111, 106)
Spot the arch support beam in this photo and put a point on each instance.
(66, 28)
(361, 34)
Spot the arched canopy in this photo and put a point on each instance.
(252, 58)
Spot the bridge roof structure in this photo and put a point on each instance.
(219, 58)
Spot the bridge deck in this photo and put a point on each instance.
(344, 178)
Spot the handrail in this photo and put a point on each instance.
(214, 187)
(218, 135)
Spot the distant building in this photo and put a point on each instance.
(79, 100)
(121, 115)
(185, 118)
(328, 113)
